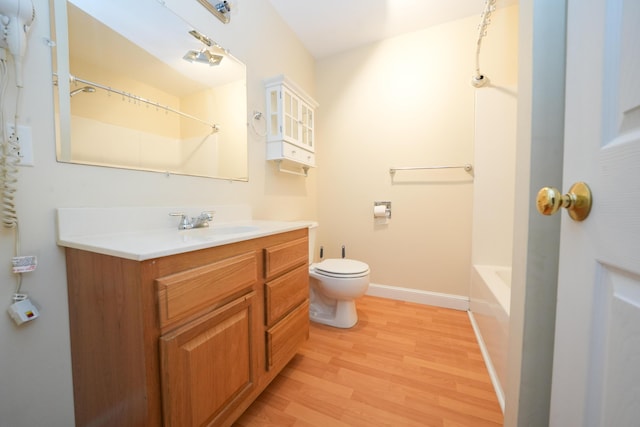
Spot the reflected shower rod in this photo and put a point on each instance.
(214, 127)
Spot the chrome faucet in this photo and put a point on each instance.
(187, 223)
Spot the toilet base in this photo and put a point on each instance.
(342, 315)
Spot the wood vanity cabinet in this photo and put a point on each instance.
(188, 339)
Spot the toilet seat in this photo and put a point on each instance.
(341, 268)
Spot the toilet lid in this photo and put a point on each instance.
(342, 266)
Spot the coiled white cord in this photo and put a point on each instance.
(9, 160)
(9, 144)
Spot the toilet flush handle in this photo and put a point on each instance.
(343, 251)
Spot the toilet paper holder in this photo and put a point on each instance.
(387, 209)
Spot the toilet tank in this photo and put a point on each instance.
(313, 228)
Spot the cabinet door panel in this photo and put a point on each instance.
(274, 124)
(286, 292)
(307, 127)
(285, 338)
(290, 117)
(207, 365)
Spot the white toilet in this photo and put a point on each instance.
(334, 284)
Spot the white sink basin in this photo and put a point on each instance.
(220, 230)
(233, 229)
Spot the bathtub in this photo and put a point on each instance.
(489, 306)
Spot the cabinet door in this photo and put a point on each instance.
(207, 366)
(306, 126)
(274, 107)
(291, 117)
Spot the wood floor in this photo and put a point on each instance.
(403, 364)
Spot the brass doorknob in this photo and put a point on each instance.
(577, 201)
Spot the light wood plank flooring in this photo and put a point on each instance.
(403, 364)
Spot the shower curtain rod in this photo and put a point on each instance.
(467, 167)
(214, 127)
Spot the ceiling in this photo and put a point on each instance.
(327, 27)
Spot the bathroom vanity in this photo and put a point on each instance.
(190, 337)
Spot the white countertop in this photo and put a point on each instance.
(131, 235)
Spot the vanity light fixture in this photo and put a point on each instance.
(204, 39)
(219, 9)
(215, 47)
(203, 56)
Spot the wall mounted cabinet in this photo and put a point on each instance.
(290, 123)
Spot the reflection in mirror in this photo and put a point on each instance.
(149, 94)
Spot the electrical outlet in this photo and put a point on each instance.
(25, 152)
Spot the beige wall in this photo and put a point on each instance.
(35, 364)
(406, 101)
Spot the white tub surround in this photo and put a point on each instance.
(492, 233)
(141, 233)
(489, 314)
(496, 280)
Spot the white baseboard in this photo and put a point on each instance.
(455, 302)
(488, 363)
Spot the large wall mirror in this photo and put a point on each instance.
(137, 87)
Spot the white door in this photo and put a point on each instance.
(596, 372)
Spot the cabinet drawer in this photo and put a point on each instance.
(283, 257)
(286, 292)
(298, 154)
(183, 294)
(285, 338)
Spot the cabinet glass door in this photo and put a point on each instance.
(273, 110)
(291, 117)
(307, 126)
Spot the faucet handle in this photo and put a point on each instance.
(207, 215)
(185, 221)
